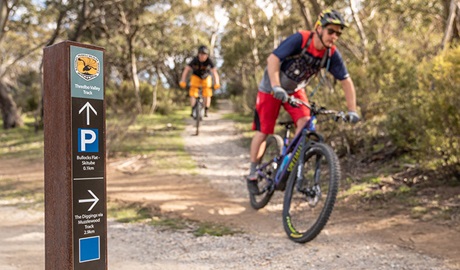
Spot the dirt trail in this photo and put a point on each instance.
(219, 194)
(352, 239)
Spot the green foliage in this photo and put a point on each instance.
(130, 213)
(22, 194)
(407, 91)
(426, 121)
(153, 136)
(28, 93)
(22, 142)
(121, 98)
(212, 229)
(135, 213)
(439, 107)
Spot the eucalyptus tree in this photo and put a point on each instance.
(180, 28)
(452, 21)
(23, 32)
(185, 26)
(124, 23)
(146, 40)
(246, 43)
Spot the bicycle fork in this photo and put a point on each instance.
(312, 193)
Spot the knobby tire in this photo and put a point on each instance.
(273, 148)
(302, 219)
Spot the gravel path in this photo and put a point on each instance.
(263, 246)
(137, 247)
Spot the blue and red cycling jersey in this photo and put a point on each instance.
(296, 69)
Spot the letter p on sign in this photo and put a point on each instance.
(88, 140)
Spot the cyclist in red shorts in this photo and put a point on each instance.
(289, 69)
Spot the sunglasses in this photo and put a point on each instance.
(331, 31)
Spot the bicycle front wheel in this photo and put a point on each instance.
(308, 202)
(273, 148)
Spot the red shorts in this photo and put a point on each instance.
(268, 108)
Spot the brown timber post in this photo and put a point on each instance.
(75, 169)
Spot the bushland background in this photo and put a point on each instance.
(403, 56)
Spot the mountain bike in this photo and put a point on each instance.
(307, 169)
(198, 111)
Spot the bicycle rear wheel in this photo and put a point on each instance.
(197, 116)
(308, 203)
(273, 148)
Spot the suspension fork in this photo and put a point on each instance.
(304, 146)
(317, 169)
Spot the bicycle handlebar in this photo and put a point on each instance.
(315, 110)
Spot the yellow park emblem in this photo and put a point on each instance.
(86, 66)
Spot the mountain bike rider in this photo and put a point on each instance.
(289, 69)
(202, 67)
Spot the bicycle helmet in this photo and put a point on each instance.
(330, 16)
(203, 49)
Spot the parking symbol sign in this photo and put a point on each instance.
(88, 140)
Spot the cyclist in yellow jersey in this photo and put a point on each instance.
(202, 67)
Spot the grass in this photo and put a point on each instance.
(156, 136)
(22, 142)
(22, 195)
(207, 228)
(134, 212)
(243, 123)
(434, 203)
(129, 213)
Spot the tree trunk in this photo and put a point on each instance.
(316, 7)
(10, 113)
(362, 33)
(309, 23)
(450, 23)
(154, 99)
(4, 13)
(136, 82)
(253, 35)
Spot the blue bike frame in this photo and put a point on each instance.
(295, 146)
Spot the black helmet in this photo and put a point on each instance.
(330, 16)
(203, 49)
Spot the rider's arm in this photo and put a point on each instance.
(215, 75)
(273, 69)
(350, 94)
(340, 72)
(290, 46)
(185, 72)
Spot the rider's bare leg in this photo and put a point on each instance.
(207, 102)
(300, 123)
(192, 101)
(257, 149)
